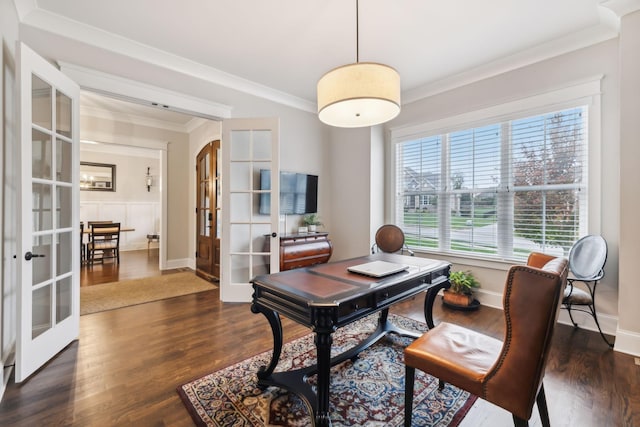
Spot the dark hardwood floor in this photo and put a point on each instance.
(125, 367)
(133, 265)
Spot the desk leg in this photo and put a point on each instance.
(323, 345)
(276, 329)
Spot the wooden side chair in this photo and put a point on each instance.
(390, 239)
(104, 242)
(506, 373)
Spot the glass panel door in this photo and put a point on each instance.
(48, 279)
(248, 146)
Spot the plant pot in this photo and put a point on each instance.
(454, 298)
(313, 228)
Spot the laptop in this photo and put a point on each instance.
(377, 268)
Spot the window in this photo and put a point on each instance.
(500, 189)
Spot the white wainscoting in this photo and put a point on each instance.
(143, 216)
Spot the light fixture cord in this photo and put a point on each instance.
(357, 33)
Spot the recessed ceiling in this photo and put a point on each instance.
(281, 48)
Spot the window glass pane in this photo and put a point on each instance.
(63, 299)
(41, 311)
(63, 114)
(42, 205)
(419, 186)
(500, 190)
(64, 167)
(41, 154)
(41, 112)
(41, 267)
(63, 254)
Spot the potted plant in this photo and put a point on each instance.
(460, 294)
(312, 221)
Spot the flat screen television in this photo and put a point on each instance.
(298, 193)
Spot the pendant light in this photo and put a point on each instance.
(360, 94)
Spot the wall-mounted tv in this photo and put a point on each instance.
(298, 193)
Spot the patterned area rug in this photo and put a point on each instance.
(367, 392)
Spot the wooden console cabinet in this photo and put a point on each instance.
(303, 250)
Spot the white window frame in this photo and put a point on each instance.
(586, 92)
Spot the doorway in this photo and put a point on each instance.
(208, 211)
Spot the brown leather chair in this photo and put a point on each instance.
(506, 373)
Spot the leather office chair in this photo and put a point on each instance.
(104, 242)
(506, 373)
(586, 263)
(390, 239)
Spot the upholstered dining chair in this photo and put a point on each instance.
(586, 263)
(390, 239)
(506, 373)
(104, 242)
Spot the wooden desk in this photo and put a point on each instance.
(325, 297)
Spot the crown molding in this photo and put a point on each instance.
(24, 8)
(560, 46)
(621, 7)
(144, 94)
(74, 30)
(137, 120)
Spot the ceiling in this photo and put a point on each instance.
(213, 49)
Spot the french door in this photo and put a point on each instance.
(208, 228)
(248, 146)
(48, 242)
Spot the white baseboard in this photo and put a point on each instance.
(177, 263)
(625, 341)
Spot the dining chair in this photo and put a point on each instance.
(90, 223)
(586, 263)
(104, 242)
(390, 238)
(82, 247)
(507, 373)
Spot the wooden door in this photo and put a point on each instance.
(207, 211)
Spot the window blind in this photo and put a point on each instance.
(499, 190)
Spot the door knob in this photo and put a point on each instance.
(29, 255)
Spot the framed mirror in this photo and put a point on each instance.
(97, 176)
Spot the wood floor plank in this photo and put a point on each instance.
(127, 363)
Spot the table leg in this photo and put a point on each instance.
(276, 328)
(323, 345)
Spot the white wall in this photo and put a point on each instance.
(130, 204)
(628, 336)
(351, 153)
(172, 144)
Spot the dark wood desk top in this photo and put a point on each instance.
(328, 283)
(298, 293)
